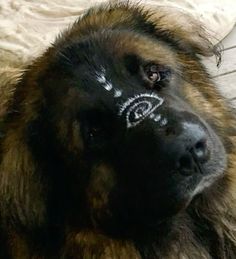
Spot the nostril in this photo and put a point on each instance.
(189, 162)
(201, 151)
(200, 145)
(186, 162)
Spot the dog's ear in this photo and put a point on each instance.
(9, 77)
(183, 31)
(20, 187)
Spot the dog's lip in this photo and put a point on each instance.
(198, 169)
(207, 181)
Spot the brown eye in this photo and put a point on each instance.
(155, 74)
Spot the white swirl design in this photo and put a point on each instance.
(139, 107)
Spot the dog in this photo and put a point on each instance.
(115, 143)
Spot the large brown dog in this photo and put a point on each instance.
(116, 144)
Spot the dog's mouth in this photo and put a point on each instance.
(150, 202)
(133, 210)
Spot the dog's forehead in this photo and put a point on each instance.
(104, 64)
(106, 46)
(102, 75)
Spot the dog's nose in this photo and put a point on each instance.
(191, 160)
(192, 145)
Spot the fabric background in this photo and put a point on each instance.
(27, 27)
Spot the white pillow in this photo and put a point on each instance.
(217, 16)
(28, 27)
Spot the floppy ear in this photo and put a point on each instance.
(20, 187)
(184, 31)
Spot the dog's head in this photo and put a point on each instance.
(128, 119)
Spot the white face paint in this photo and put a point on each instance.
(107, 85)
(117, 93)
(140, 107)
(163, 122)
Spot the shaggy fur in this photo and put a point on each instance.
(46, 214)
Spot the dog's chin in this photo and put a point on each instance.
(135, 215)
(135, 222)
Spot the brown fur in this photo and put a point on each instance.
(23, 191)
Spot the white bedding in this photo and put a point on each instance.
(27, 27)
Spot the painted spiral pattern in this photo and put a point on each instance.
(140, 107)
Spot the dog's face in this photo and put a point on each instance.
(127, 127)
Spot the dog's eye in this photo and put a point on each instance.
(95, 137)
(94, 132)
(95, 128)
(155, 74)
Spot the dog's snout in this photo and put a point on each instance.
(182, 145)
(192, 148)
